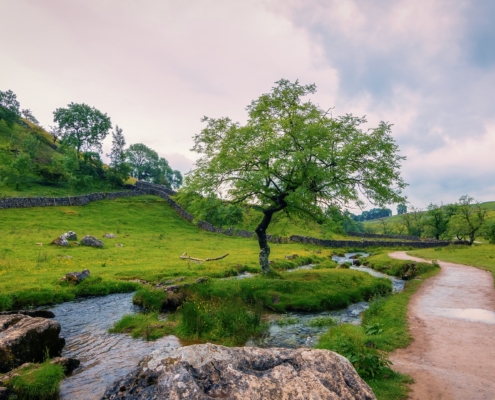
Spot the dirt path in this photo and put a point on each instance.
(452, 319)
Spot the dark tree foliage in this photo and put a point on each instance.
(374, 213)
(9, 107)
(436, 221)
(29, 116)
(82, 127)
(401, 209)
(294, 157)
(146, 165)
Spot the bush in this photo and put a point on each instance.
(350, 341)
(149, 299)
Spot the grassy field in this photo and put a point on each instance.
(152, 235)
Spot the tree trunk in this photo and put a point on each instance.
(263, 242)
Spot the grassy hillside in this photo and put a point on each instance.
(31, 164)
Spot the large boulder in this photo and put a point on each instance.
(31, 313)
(27, 339)
(207, 371)
(91, 241)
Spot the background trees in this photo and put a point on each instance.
(292, 156)
(147, 165)
(467, 220)
(9, 107)
(82, 127)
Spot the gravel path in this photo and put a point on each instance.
(452, 320)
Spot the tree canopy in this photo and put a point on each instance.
(82, 127)
(292, 156)
(147, 165)
(9, 107)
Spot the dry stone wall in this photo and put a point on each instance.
(142, 188)
(380, 236)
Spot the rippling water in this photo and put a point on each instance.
(104, 356)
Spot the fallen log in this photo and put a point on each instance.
(184, 256)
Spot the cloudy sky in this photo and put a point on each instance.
(157, 66)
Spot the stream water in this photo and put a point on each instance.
(105, 356)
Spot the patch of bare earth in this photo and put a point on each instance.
(452, 320)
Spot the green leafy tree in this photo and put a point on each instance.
(435, 221)
(467, 220)
(82, 127)
(9, 107)
(142, 160)
(120, 169)
(488, 231)
(401, 209)
(15, 171)
(146, 165)
(291, 156)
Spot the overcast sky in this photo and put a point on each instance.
(156, 67)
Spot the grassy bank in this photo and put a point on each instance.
(384, 329)
(479, 255)
(36, 381)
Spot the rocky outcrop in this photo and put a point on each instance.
(76, 277)
(207, 371)
(27, 339)
(89, 240)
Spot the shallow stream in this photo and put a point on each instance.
(105, 356)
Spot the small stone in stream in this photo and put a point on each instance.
(89, 240)
(207, 371)
(76, 277)
(69, 364)
(60, 242)
(109, 236)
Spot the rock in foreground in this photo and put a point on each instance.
(27, 339)
(207, 371)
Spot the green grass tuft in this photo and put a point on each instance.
(37, 382)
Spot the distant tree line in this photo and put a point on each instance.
(374, 213)
(76, 143)
(465, 220)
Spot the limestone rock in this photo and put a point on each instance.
(60, 242)
(69, 236)
(91, 241)
(109, 236)
(207, 371)
(76, 277)
(26, 339)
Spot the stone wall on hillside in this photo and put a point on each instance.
(142, 188)
(380, 236)
(366, 243)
